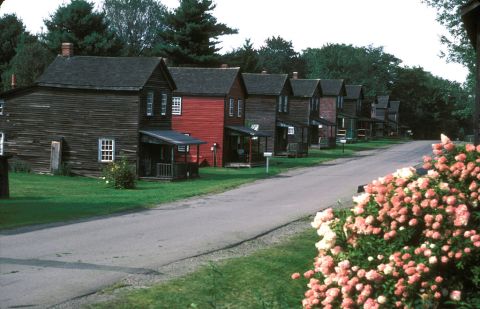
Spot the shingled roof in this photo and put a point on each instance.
(103, 73)
(204, 81)
(333, 87)
(382, 101)
(305, 87)
(354, 92)
(265, 84)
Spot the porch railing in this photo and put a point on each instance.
(177, 170)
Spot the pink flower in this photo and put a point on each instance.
(444, 139)
(438, 279)
(470, 148)
(295, 276)
(308, 274)
(455, 295)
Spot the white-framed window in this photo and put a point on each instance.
(231, 107)
(291, 131)
(283, 103)
(176, 105)
(340, 102)
(106, 150)
(239, 107)
(255, 127)
(163, 105)
(2, 106)
(184, 148)
(150, 103)
(2, 140)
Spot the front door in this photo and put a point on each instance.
(55, 156)
(281, 139)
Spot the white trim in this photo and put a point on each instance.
(2, 107)
(150, 98)
(291, 130)
(2, 140)
(239, 108)
(176, 105)
(106, 150)
(163, 105)
(231, 107)
(184, 149)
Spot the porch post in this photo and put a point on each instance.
(186, 165)
(250, 150)
(173, 160)
(198, 154)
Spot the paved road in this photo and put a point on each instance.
(49, 266)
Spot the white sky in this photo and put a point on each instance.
(406, 28)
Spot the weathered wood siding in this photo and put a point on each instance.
(159, 85)
(203, 118)
(328, 110)
(299, 111)
(262, 110)
(36, 118)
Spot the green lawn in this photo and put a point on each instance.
(260, 280)
(39, 199)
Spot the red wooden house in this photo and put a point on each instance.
(331, 100)
(209, 103)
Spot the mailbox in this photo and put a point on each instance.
(267, 154)
(343, 141)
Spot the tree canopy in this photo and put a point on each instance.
(278, 56)
(136, 23)
(191, 34)
(245, 57)
(77, 23)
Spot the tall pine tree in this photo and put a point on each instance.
(191, 34)
(77, 23)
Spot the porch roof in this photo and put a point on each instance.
(247, 131)
(344, 115)
(172, 137)
(289, 123)
(322, 121)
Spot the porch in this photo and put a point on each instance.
(243, 147)
(163, 155)
(326, 133)
(291, 139)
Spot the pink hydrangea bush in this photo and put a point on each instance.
(410, 241)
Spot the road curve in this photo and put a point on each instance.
(46, 267)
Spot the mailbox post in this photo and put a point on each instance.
(267, 155)
(343, 142)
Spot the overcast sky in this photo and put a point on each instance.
(406, 28)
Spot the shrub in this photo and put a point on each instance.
(410, 241)
(19, 166)
(120, 175)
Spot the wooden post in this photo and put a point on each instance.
(250, 151)
(476, 115)
(198, 154)
(187, 168)
(173, 160)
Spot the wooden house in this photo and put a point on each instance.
(380, 115)
(471, 19)
(85, 112)
(333, 93)
(209, 103)
(305, 106)
(349, 115)
(394, 118)
(268, 109)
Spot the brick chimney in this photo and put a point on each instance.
(295, 75)
(67, 49)
(264, 72)
(224, 66)
(14, 81)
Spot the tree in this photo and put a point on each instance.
(191, 34)
(77, 23)
(278, 56)
(245, 57)
(30, 60)
(136, 23)
(459, 48)
(369, 66)
(11, 30)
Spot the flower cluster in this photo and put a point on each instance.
(405, 241)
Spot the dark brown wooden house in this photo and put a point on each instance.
(333, 93)
(209, 103)
(349, 114)
(305, 105)
(471, 19)
(268, 110)
(394, 118)
(85, 112)
(380, 115)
